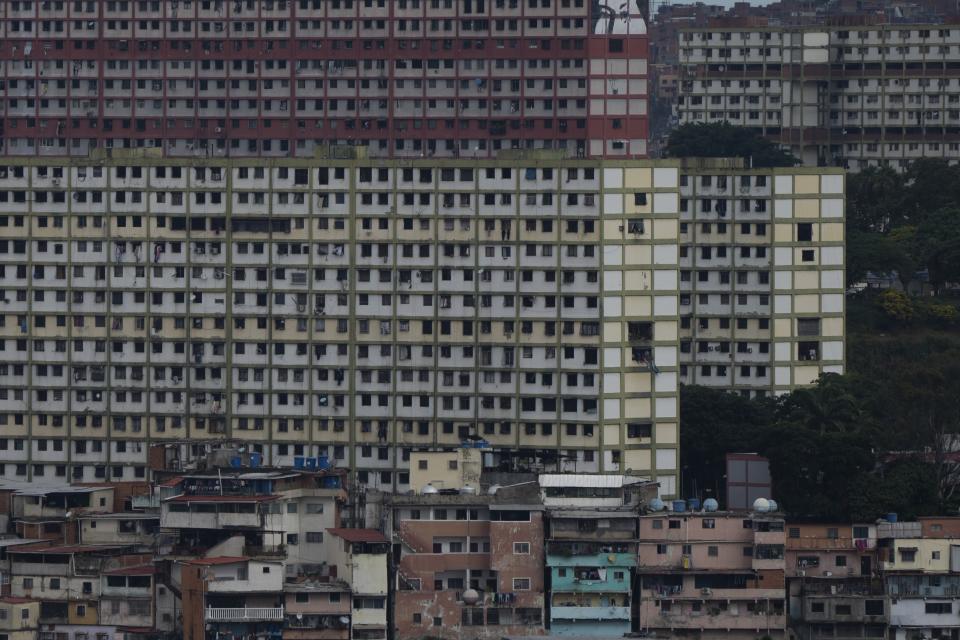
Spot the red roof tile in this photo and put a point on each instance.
(172, 482)
(73, 548)
(16, 600)
(359, 535)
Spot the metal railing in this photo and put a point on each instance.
(241, 614)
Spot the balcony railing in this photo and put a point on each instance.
(243, 614)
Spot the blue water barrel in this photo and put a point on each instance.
(693, 504)
(679, 505)
(323, 462)
(891, 517)
(256, 459)
(298, 462)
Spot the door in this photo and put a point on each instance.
(865, 566)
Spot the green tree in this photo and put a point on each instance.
(937, 246)
(870, 251)
(931, 184)
(905, 486)
(875, 200)
(831, 406)
(812, 472)
(724, 140)
(897, 305)
(716, 423)
(929, 393)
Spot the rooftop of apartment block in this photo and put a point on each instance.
(849, 23)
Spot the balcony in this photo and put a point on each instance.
(145, 502)
(589, 613)
(243, 614)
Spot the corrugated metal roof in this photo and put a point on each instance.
(9, 542)
(226, 498)
(139, 570)
(598, 514)
(358, 535)
(218, 560)
(42, 547)
(122, 515)
(593, 480)
(42, 491)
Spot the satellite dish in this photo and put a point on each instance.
(345, 619)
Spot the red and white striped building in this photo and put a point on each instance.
(405, 78)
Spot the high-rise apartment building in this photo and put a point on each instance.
(404, 78)
(362, 310)
(761, 278)
(852, 96)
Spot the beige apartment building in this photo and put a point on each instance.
(362, 311)
(761, 278)
(851, 96)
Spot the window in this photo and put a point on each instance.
(938, 607)
(713, 551)
(840, 561)
(521, 584)
(873, 607)
(816, 607)
(708, 523)
(908, 554)
(521, 548)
